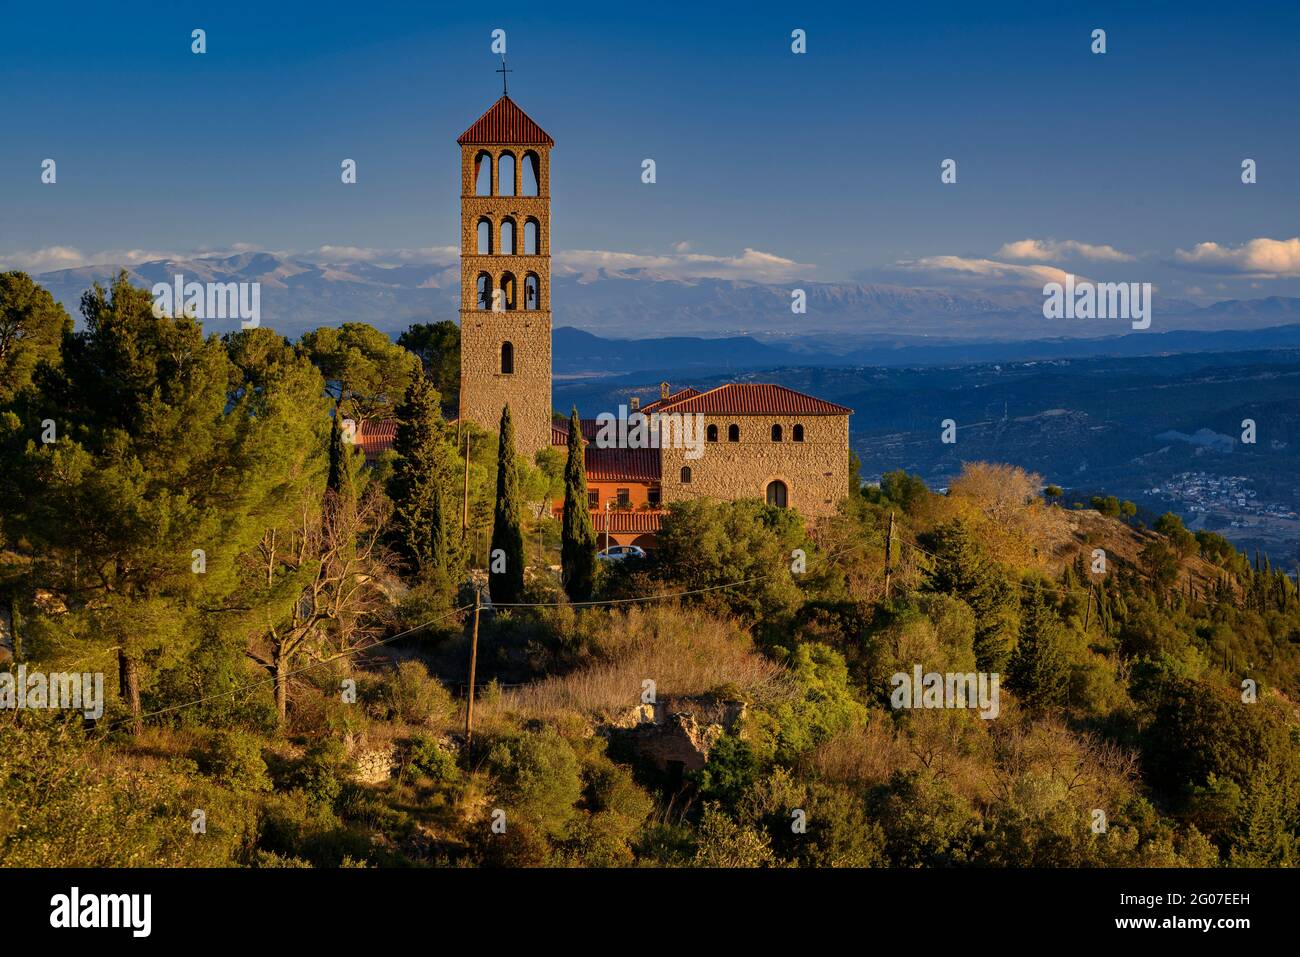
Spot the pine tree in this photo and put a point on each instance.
(506, 558)
(1038, 671)
(161, 476)
(961, 569)
(578, 539)
(422, 468)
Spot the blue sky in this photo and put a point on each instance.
(823, 166)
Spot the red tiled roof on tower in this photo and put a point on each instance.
(505, 124)
(753, 398)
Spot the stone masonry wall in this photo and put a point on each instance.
(485, 390)
(815, 471)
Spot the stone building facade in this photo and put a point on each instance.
(760, 440)
(505, 274)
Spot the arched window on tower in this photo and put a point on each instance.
(686, 475)
(529, 174)
(484, 291)
(776, 432)
(483, 173)
(733, 433)
(531, 229)
(506, 174)
(711, 433)
(508, 291)
(507, 358)
(507, 237)
(777, 494)
(532, 291)
(485, 237)
(798, 433)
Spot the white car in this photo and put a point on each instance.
(617, 553)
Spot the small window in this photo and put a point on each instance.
(484, 291)
(530, 237)
(624, 498)
(686, 475)
(733, 433)
(483, 174)
(507, 358)
(652, 497)
(711, 433)
(776, 494)
(776, 433)
(484, 237)
(531, 291)
(593, 499)
(507, 237)
(798, 433)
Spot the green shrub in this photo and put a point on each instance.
(235, 759)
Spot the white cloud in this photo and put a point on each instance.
(1261, 258)
(1048, 249)
(752, 264)
(69, 257)
(983, 270)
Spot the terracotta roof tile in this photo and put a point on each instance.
(621, 465)
(754, 398)
(375, 436)
(677, 396)
(505, 124)
(610, 465)
(640, 520)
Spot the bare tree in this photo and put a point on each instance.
(323, 584)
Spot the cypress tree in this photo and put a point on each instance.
(1038, 671)
(578, 537)
(334, 483)
(506, 559)
(419, 520)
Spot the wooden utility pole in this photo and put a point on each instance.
(889, 556)
(464, 517)
(473, 665)
(608, 506)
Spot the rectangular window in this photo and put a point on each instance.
(624, 498)
(593, 499)
(652, 496)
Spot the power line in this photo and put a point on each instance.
(289, 674)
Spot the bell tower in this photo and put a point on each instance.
(505, 274)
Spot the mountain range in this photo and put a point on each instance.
(842, 318)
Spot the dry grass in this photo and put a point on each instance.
(684, 651)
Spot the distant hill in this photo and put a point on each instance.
(577, 352)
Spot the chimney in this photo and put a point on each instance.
(634, 403)
(663, 390)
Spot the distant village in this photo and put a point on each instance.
(1204, 493)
